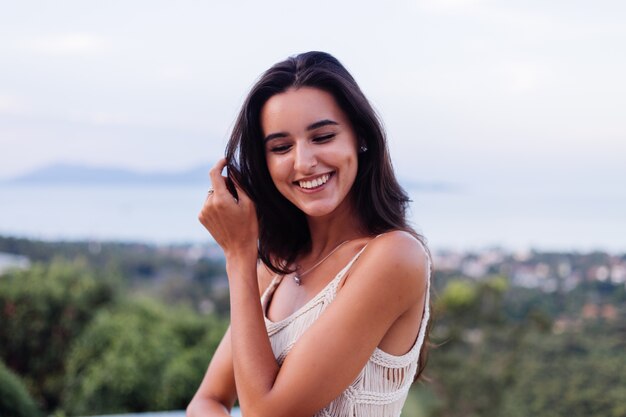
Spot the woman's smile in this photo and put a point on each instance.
(310, 149)
(314, 184)
(307, 132)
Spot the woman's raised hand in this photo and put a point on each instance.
(232, 222)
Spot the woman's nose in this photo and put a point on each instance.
(305, 158)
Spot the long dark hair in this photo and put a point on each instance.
(283, 230)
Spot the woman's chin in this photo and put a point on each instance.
(319, 209)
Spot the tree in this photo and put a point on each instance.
(42, 310)
(571, 374)
(139, 357)
(15, 401)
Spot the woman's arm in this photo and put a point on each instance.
(387, 282)
(216, 394)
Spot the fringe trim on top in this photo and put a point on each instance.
(382, 386)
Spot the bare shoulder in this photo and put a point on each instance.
(398, 262)
(400, 247)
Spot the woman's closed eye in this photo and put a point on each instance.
(280, 148)
(285, 147)
(324, 138)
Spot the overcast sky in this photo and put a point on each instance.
(529, 93)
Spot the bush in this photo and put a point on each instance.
(42, 310)
(138, 358)
(15, 401)
(572, 374)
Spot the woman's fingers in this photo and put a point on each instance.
(242, 197)
(217, 180)
(232, 222)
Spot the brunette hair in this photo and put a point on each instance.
(379, 199)
(283, 231)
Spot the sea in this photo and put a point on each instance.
(462, 219)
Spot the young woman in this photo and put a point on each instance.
(329, 286)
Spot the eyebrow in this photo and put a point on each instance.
(312, 126)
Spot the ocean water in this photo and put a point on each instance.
(456, 219)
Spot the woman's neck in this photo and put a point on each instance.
(329, 231)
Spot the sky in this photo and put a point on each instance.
(476, 93)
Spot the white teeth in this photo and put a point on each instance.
(314, 183)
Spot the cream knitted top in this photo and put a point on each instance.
(381, 387)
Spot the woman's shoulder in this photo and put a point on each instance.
(398, 259)
(399, 246)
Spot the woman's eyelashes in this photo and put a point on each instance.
(279, 148)
(323, 138)
(285, 147)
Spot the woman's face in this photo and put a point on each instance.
(310, 148)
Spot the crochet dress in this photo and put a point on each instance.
(382, 386)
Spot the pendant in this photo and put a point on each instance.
(297, 280)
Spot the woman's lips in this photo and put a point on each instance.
(315, 183)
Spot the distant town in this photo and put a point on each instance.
(547, 271)
(507, 323)
(543, 272)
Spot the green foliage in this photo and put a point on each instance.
(421, 401)
(139, 357)
(183, 375)
(466, 379)
(468, 304)
(471, 374)
(42, 310)
(207, 270)
(68, 337)
(200, 337)
(15, 401)
(458, 296)
(135, 261)
(45, 310)
(571, 374)
(171, 273)
(497, 359)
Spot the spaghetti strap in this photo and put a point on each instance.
(277, 279)
(329, 290)
(383, 383)
(346, 269)
(269, 291)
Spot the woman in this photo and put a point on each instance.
(333, 319)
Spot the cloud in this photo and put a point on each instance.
(70, 44)
(444, 6)
(175, 73)
(522, 77)
(100, 118)
(10, 105)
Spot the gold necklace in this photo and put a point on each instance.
(298, 277)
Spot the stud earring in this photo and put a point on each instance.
(363, 148)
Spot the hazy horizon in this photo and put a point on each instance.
(523, 101)
(466, 88)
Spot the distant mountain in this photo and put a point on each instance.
(81, 174)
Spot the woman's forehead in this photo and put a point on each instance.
(297, 109)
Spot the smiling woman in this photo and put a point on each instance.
(313, 161)
(315, 200)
